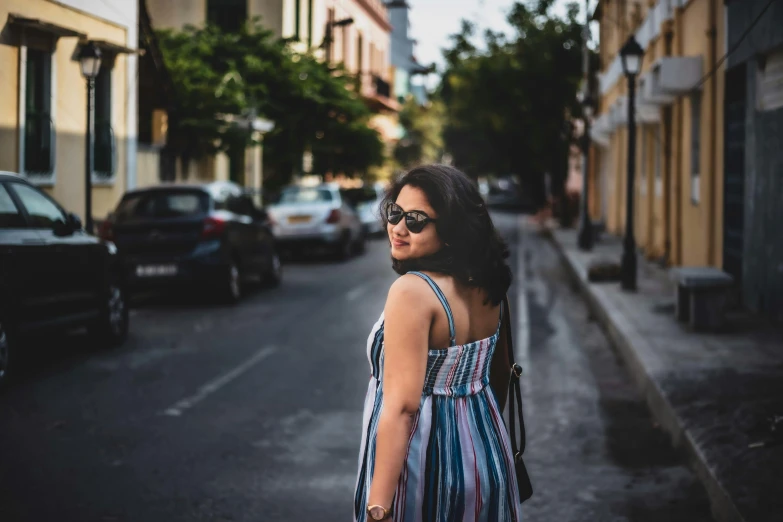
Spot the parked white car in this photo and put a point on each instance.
(317, 217)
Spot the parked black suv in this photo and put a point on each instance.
(53, 275)
(209, 237)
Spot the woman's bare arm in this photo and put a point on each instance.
(407, 318)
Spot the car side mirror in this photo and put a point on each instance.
(63, 228)
(74, 222)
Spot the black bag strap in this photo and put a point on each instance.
(514, 391)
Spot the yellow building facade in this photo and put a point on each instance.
(43, 114)
(246, 168)
(678, 174)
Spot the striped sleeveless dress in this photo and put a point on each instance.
(458, 465)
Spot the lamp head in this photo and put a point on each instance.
(631, 56)
(343, 22)
(90, 60)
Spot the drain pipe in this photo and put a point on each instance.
(712, 35)
(668, 34)
(677, 178)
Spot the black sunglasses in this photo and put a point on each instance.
(415, 220)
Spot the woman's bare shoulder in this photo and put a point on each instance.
(409, 289)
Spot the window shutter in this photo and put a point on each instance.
(770, 83)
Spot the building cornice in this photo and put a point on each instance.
(375, 15)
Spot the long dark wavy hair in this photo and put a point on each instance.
(473, 252)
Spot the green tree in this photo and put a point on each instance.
(320, 111)
(423, 138)
(249, 72)
(218, 74)
(508, 104)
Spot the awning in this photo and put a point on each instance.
(601, 130)
(110, 47)
(22, 22)
(649, 94)
(670, 77)
(645, 112)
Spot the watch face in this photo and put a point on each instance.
(377, 513)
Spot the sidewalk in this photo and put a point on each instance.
(712, 393)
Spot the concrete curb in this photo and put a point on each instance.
(631, 345)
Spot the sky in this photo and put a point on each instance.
(432, 21)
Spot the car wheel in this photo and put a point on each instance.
(361, 244)
(344, 248)
(232, 283)
(112, 326)
(5, 354)
(274, 275)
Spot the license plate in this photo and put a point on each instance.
(296, 220)
(156, 270)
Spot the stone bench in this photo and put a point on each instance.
(702, 294)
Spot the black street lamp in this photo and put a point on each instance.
(631, 56)
(585, 238)
(329, 38)
(90, 59)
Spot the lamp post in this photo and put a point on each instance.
(631, 56)
(329, 38)
(585, 238)
(90, 60)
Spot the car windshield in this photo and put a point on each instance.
(172, 204)
(306, 195)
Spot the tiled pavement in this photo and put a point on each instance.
(712, 392)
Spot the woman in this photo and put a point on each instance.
(434, 445)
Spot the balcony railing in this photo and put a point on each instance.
(38, 144)
(382, 87)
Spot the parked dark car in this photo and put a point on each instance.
(505, 193)
(211, 237)
(53, 274)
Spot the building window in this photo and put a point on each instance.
(38, 125)
(359, 54)
(309, 23)
(657, 162)
(229, 15)
(298, 20)
(104, 143)
(330, 17)
(345, 37)
(770, 82)
(643, 169)
(695, 146)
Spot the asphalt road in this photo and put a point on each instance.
(252, 412)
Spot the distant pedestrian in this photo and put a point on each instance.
(434, 445)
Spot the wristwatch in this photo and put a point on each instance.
(378, 513)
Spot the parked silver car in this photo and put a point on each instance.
(367, 200)
(317, 217)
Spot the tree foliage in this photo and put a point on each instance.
(249, 73)
(423, 138)
(507, 104)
